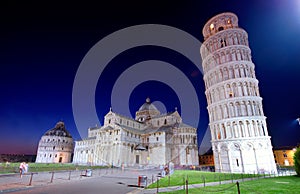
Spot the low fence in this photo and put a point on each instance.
(15, 181)
(232, 182)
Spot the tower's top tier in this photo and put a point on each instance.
(218, 23)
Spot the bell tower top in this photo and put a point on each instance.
(218, 23)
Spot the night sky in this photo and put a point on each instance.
(42, 46)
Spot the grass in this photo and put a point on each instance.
(285, 184)
(39, 167)
(196, 177)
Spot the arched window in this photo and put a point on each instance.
(219, 135)
(224, 131)
(263, 129)
(223, 42)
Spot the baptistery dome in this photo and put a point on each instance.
(58, 130)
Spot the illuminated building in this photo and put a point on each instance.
(151, 138)
(240, 139)
(55, 146)
(284, 156)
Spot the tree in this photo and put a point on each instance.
(297, 161)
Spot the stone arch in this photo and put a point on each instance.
(250, 89)
(221, 76)
(221, 112)
(238, 108)
(260, 133)
(240, 89)
(245, 88)
(227, 90)
(235, 39)
(237, 71)
(234, 89)
(225, 113)
(231, 108)
(235, 129)
(225, 73)
(241, 125)
(254, 128)
(242, 67)
(264, 129)
(224, 131)
(230, 72)
(228, 128)
(248, 129)
(233, 55)
(222, 92)
(217, 113)
(243, 108)
(223, 58)
(238, 55)
(246, 70)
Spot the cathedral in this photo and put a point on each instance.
(151, 138)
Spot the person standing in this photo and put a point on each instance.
(21, 168)
(25, 167)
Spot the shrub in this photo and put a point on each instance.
(297, 161)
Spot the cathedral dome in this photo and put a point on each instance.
(59, 130)
(146, 111)
(148, 106)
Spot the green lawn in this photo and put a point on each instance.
(282, 185)
(38, 167)
(195, 177)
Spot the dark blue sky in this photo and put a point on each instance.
(42, 46)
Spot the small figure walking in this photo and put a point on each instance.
(21, 168)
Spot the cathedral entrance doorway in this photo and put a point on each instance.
(60, 159)
(137, 159)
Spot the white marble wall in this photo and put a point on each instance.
(235, 108)
(113, 144)
(54, 149)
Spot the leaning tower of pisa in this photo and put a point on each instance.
(240, 139)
